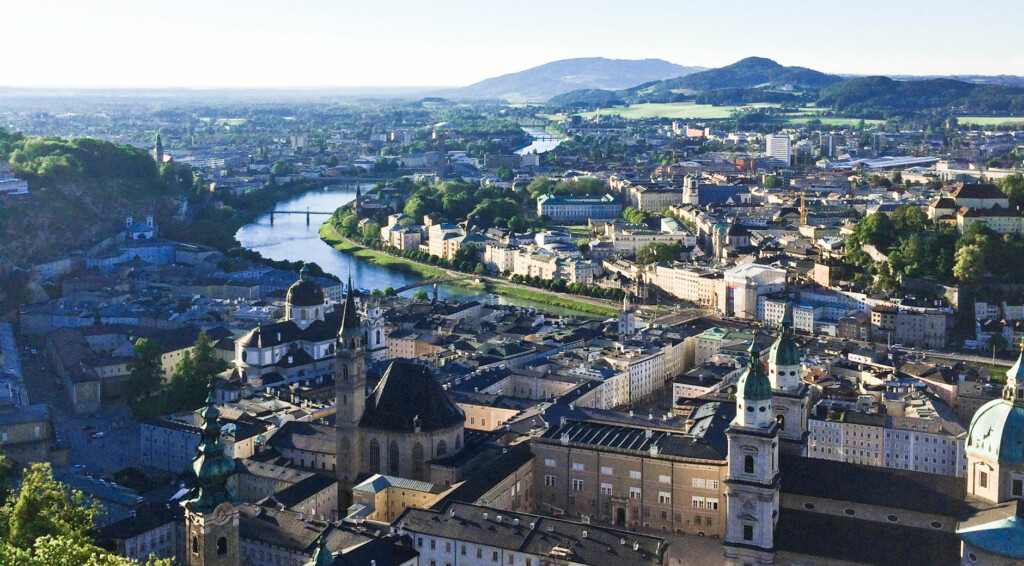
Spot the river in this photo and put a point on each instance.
(289, 238)
(539, 145)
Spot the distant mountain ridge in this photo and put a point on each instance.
(741, 77)
(559, 77)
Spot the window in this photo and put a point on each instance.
(1017, 488)
(577, 467)
(442, 448)
(713, 484)
(494, 556)
(698, 482)
(606, 471)
(634, 474)
(712, 503)
(664, 497)
(447, 547)
(634, 493)
(479, 553)
(549, 462)
(664, 479)
(606, 489)
(577, 485)
(549, 481)
(195, 544)
(462, 550)
(748, 464)
(419, 542)
(748, 532)
(433, 544)
(982, 479)
(222, 546)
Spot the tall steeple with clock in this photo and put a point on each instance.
(752, 482)
(211, 517)
(376, 338)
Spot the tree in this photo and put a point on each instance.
(772, 182)
(517, 224)
(909, 218)
(371, 230)
(207, 362)
(997, 342)
(45, 507)
(6, 475)
(479, 269)
(420, 295)
(634, 216)
(146, 369)
(969, 265)
(1013, 187)
(657, 251)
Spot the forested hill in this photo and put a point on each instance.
(80, 192)
(754, 79)
(882, 97)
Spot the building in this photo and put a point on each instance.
(744, 285)
(473, 535)
(567, 209)
(635, 476)
(777, 147)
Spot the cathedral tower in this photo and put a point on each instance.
(211, 518)
(752, 483)
(350, 383)
(792, 396)
(376, 338)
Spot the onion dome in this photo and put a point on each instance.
(997, 428)
(305, 292)
(322, 555)
(753, 384)
(210, 466)
(784, 351)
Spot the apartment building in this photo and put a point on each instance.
(578, 208)
(689, 283)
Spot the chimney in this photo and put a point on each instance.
(584, 534)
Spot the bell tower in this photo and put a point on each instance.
(752, 482)
(791, 395)
(376, 338)
(211, 517)
(350, 384)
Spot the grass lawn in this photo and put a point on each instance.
(379, 258)
(681, 110)
(996, 372)
(549, 299)
(990, 120)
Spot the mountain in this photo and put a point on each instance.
(882, 97)
(558, 77)
(754, 79)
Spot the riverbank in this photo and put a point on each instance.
(491, 285)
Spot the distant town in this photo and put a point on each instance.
(586, 330)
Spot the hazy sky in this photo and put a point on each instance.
(283, 43)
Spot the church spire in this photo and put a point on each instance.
(210, 466)
(158, 151)
(350, 317)
(1014, 389)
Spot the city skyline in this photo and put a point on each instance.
(115, 43)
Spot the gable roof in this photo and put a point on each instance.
(408, 392)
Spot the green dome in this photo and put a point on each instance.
(754, 384)
(784, 352)
(997, 432)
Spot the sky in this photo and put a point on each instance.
(295, 43)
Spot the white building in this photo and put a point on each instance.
(777, 147)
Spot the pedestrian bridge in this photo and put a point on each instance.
(426, 282)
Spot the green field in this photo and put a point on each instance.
(990, 120)
(827, 121)
(681, 110)
(539, 296)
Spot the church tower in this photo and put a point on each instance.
(158, 151)
(376, 338)
(627, 320)
(211, 518)
(350, 384)
(752, 482)
(357, 206)
(792, 396)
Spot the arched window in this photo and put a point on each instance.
(373, 456)
(417, 461)
(303, 314)
(748, 464)
(378, 336)
(195, 544)
(222, 546)
(781, 419)
(393, 458)
(442, 448)
(344, 371)
(317, 315)
(458, 442)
